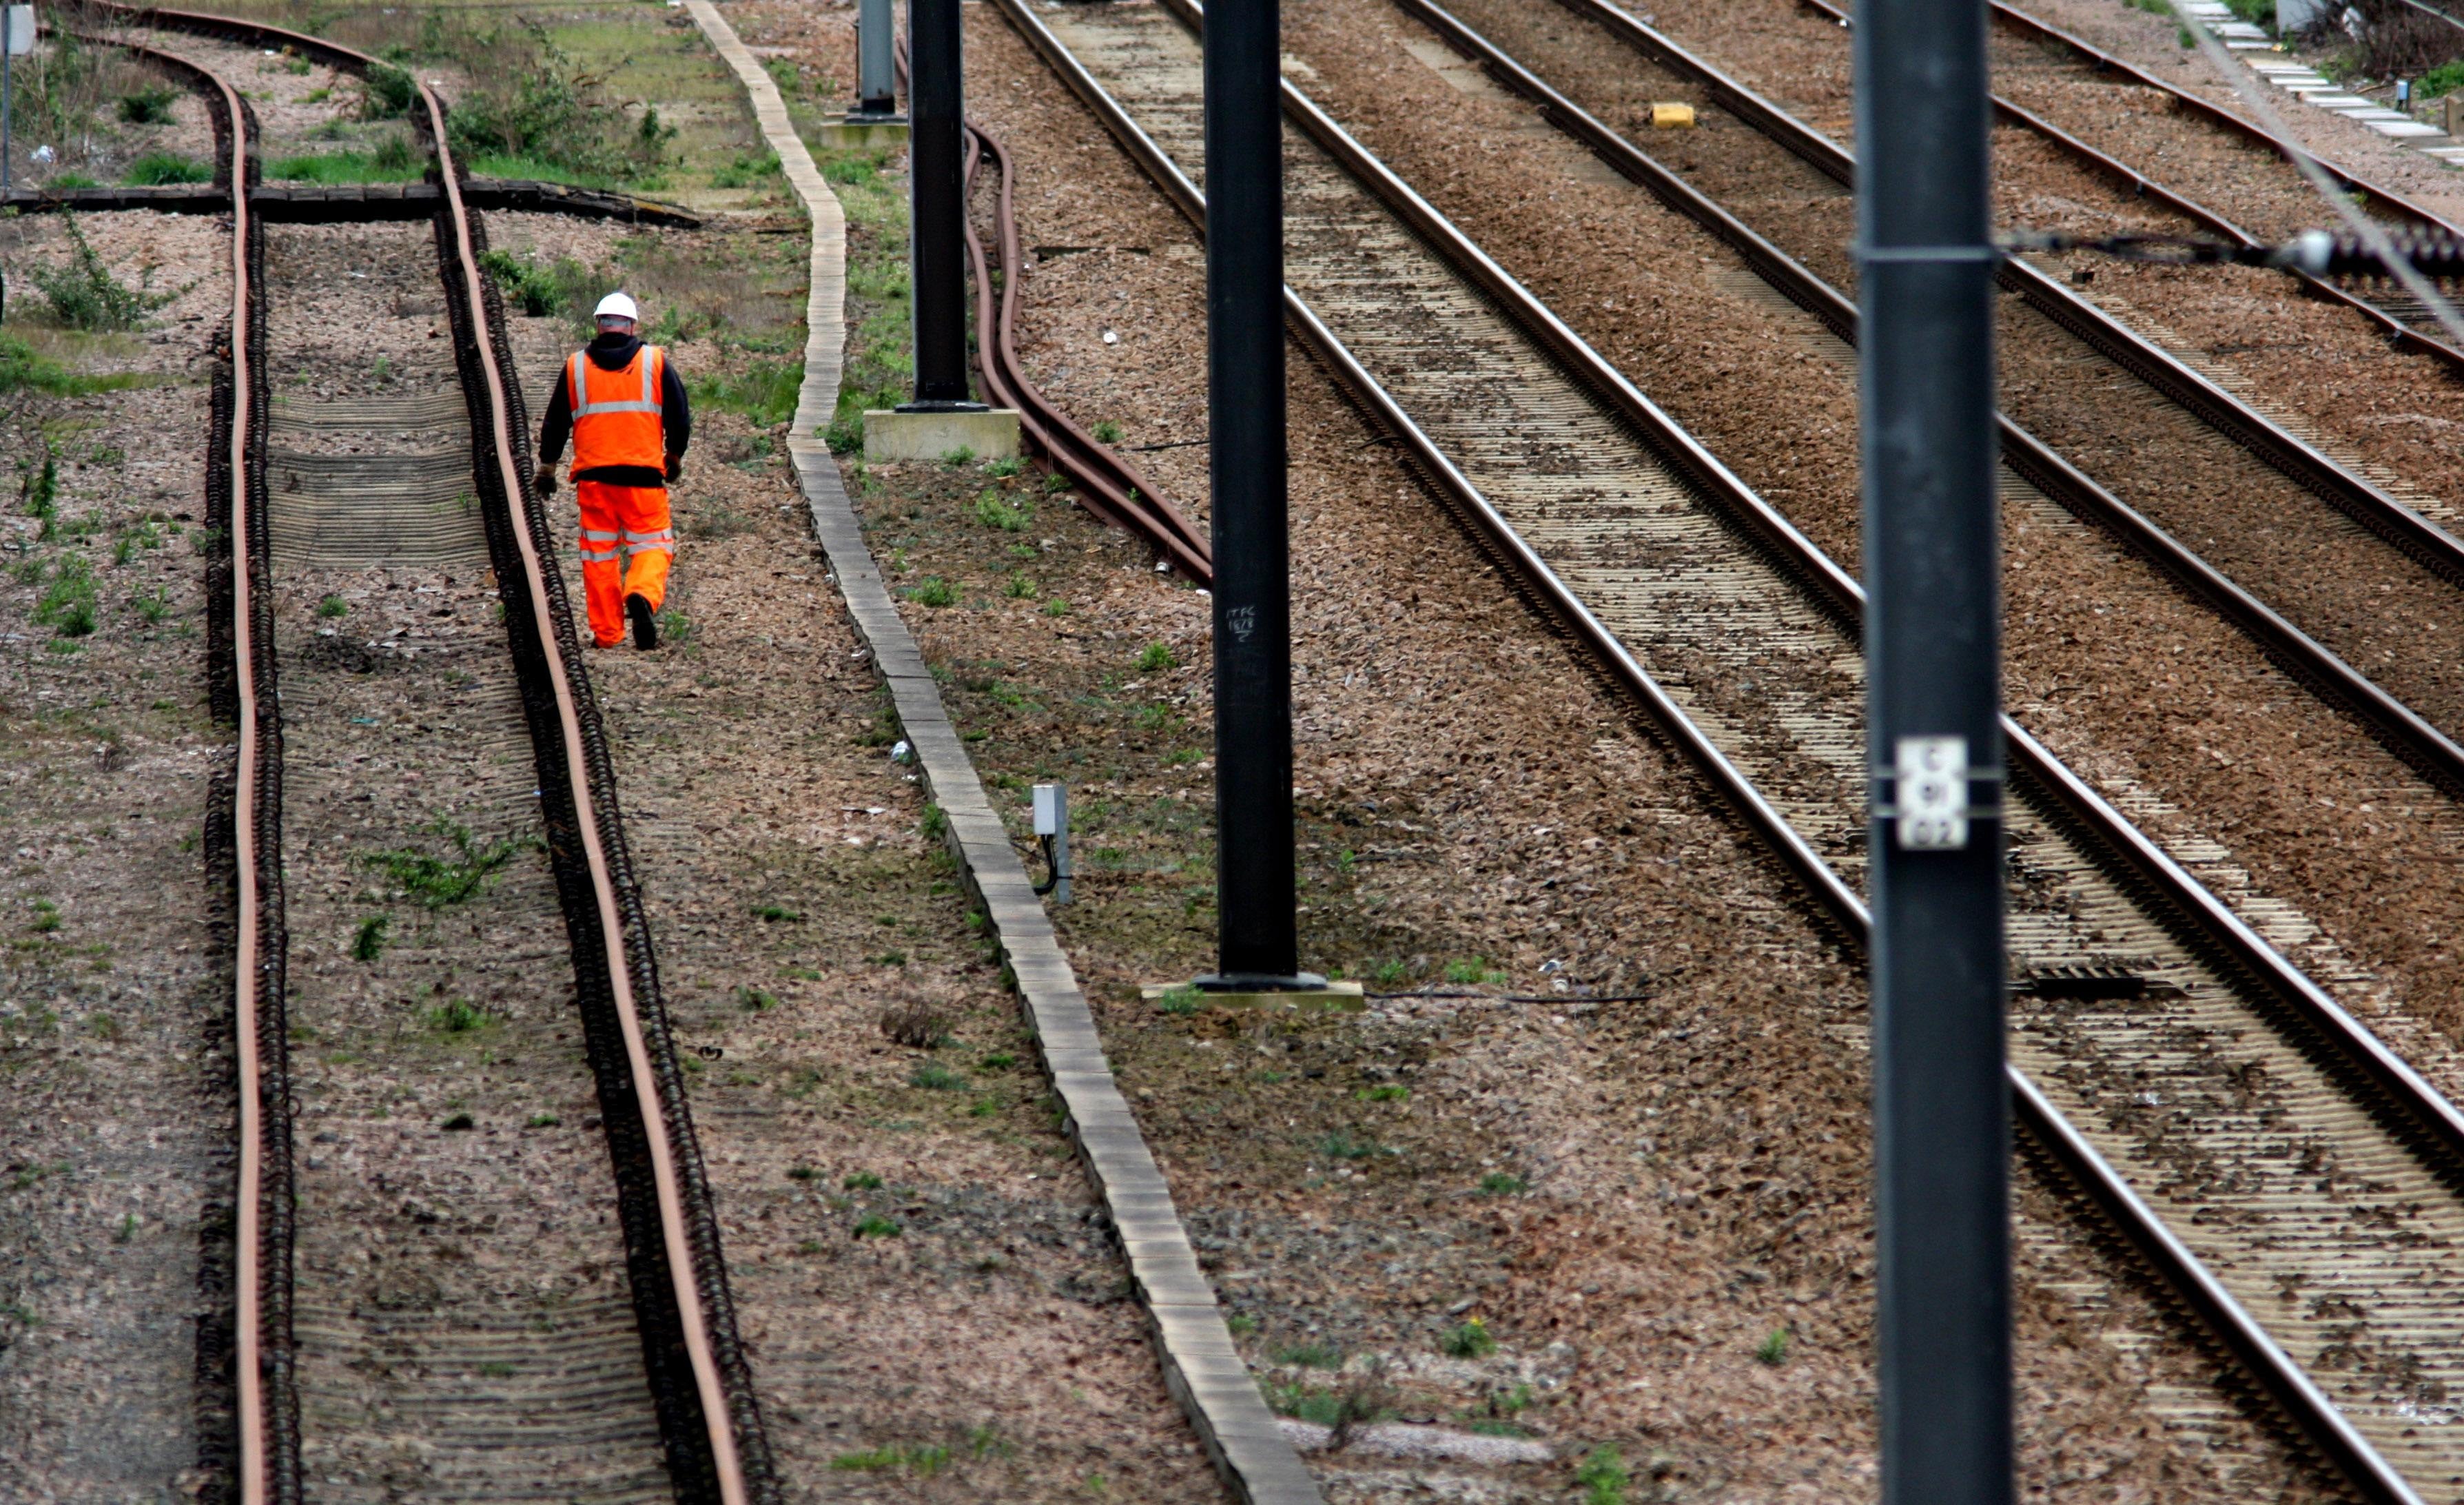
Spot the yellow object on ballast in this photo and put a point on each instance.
(1672, 117)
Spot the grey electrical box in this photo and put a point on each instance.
(1052, 831)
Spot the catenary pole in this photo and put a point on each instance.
(1257, 940)
(876, 84)
(8, 52)
(937, 272)
(1933, 652)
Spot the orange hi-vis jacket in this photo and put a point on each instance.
(616, 415)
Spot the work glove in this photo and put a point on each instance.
(675, 468)
(546, 480)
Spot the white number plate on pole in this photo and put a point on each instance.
(21, 28)
(1932, 793)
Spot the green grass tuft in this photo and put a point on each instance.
(1603, 1477)
(1470, 1341)
(157, 169)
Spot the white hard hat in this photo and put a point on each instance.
(616, 305)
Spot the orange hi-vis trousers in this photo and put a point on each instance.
(616, 522)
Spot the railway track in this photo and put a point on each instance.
(2116, 430)
(2397, 724)
(461, 1330)
(2217, 1101)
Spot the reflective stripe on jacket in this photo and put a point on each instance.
(616, 415)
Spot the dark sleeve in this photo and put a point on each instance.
(675, 411)
(558, 426)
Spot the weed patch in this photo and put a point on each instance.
(1470, 1341)
(922, 1462)
(67, 603)
(457, 1016)
(530, 99)
(84, 293)
(765, 392)
(995, 512)
(369, 942)
(22, 368)
(746, 173)
(440, 882)
(148, 106)
(1603, 1477)
(1345, 1145)
(391, 161)
(563, 287)
(917, 1026)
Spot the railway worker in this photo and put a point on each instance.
(625, 410)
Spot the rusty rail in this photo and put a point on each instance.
(1109, 485)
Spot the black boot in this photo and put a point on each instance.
(646, 623)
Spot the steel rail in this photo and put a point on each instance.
(236, 29)
(2293, 1390)
(2402, 730)
(257, 869)
(2425, 541)
(709, 1384)
(1109, 485)
(265, 1415)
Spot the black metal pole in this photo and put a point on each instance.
(1934, 653)
(876, 89)
(1257, 940)
(936, 235)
